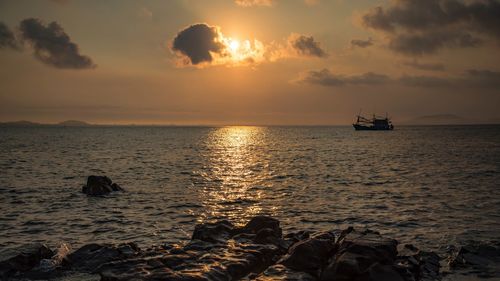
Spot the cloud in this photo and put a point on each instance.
(425, 66)
(424, 81)
(326, 78)
(306, 45)
(472, 78)
(417, 27)
(198, 42)
(7, 37)
(362, 43)
(53, 46)
(251, 3)
(204, 45)
(62, 2)
(268, 3)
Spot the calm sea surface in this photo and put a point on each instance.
(430, 186)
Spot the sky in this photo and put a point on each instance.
(248, 62)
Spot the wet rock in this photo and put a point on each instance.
(312, 254)
(213, 232)
(256, 251)
(357, 253)
(259, 223)
(280, 272)
(28, 258)
(99, 186)
(90, 257)
(482, 258)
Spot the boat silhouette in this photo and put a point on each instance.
(376, 123)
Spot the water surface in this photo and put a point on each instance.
(430, 186)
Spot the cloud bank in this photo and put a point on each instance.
(7, 38)
(472, 78)
(417, 27)
(53, 46)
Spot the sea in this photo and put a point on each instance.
(431, 186)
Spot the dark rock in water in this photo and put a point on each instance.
(477, 257)
(280, 272)
(258, 223)
(100, 185)
(256, 251)
(312, 254)
(213, 232)
(89, 257)
(357, 253)
(28, 258)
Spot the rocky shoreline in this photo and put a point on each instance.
(256, 251)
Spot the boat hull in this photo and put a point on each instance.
(358, 127)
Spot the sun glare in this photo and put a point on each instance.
(243, 52)
(234, 45)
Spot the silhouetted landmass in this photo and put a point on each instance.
(24, 123)
(74, 123)
(438, 119)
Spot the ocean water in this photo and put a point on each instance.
(429, 186)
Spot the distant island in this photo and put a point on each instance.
(24, 123)
(438, 119)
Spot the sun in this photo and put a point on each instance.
(234, 45)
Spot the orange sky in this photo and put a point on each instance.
(290, 62)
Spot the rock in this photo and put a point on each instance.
(90, 257)
(357, 252)
(280, 272)
(28, 258)
(256, 251)
(477, 257)
(312, 254)
(258, 223)
(99, 186)
(213, 232)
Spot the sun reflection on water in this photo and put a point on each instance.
(234, 174)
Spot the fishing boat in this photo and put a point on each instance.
(375, 123)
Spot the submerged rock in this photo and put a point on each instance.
(100, 185)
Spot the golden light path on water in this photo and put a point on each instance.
(235, 173)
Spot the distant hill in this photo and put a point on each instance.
(22, 123)
(438, 119)
(73, 123)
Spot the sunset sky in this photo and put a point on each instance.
(243, 62)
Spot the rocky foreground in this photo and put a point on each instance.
(256, 251)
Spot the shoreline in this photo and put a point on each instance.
(257, 251)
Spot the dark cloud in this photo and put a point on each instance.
(425, 66)
(473, 78)
(306, 46)
(53, 46)
(483, 78)
(430, 42)
(197, 42)
(62, 2)
(362, 43)
(418, 27)
(7, 37)
(325, 78)
(424, 81)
